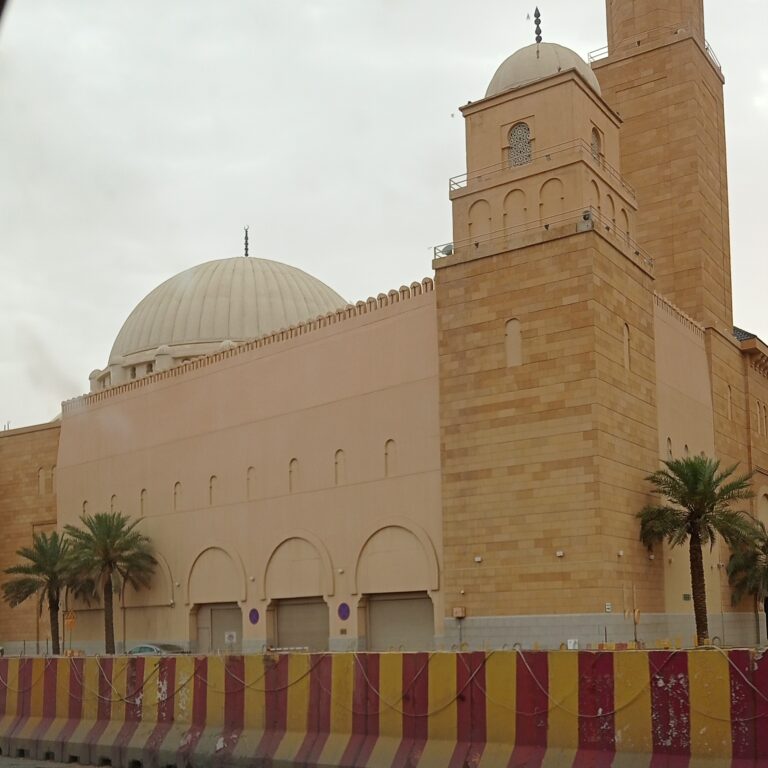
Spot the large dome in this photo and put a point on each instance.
(226, 300)
(535, 62)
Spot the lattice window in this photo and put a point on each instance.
(519, 151)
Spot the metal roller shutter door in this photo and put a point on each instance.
(303, 624)
(226, 628)
(215, 622)
(401, 622)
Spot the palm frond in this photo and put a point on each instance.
(45, 570)
(661, 523)
(748, 566)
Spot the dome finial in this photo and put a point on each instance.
(246, 242)
(537, 20)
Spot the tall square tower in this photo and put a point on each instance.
(547, 372)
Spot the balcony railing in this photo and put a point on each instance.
(596, 55)
(656, 35)
(583, 220)
(558, 153)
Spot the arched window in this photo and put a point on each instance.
(293, 475)
(519, 149)
(627, 360)
(686, 451)
(53, 479)
(390, 458)
(729, 401)
(143, 502)
(85, 507)
(212, 482)
(150, 368)
(759, 419)
(597, 144)
(339, 468)
(40, 482)
(133, 372)
(669, 447)
(113, 503)
(513, 341)
(177, 497)
(250, 483)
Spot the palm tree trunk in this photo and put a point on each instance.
(699, 589)
(109, 627)
(53, 617)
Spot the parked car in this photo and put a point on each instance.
(159, 649)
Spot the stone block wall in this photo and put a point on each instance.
(27, 505)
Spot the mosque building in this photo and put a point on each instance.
(460, 460)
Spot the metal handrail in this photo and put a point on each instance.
(587, 217)
(597, 54)
(712, 55)
(655, 34)
(463, 180)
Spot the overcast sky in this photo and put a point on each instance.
(137, 138)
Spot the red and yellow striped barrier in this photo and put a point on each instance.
(484, 709)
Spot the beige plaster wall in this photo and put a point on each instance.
(351, 386)
(686, 427)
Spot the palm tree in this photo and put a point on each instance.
(748, 569)
(45, 573)
(698, 497)
(107, 549)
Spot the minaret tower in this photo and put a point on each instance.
(546, 346)
(662, 78)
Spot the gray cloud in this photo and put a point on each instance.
(136, 139)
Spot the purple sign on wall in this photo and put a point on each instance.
(253, 616)
(343, 611)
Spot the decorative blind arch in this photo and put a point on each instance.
(627, 347)
(513, 342)
(339, 468)
(597, 144)
(390, 458)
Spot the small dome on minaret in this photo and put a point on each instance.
(537, 62)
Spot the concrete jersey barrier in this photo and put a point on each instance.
(704, 707)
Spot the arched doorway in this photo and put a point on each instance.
(393, 576)
(298, 614)
(215, 587)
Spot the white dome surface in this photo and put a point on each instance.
(229, 299)
(535, 62)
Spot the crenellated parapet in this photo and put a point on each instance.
(677, 314)
(372, 304)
